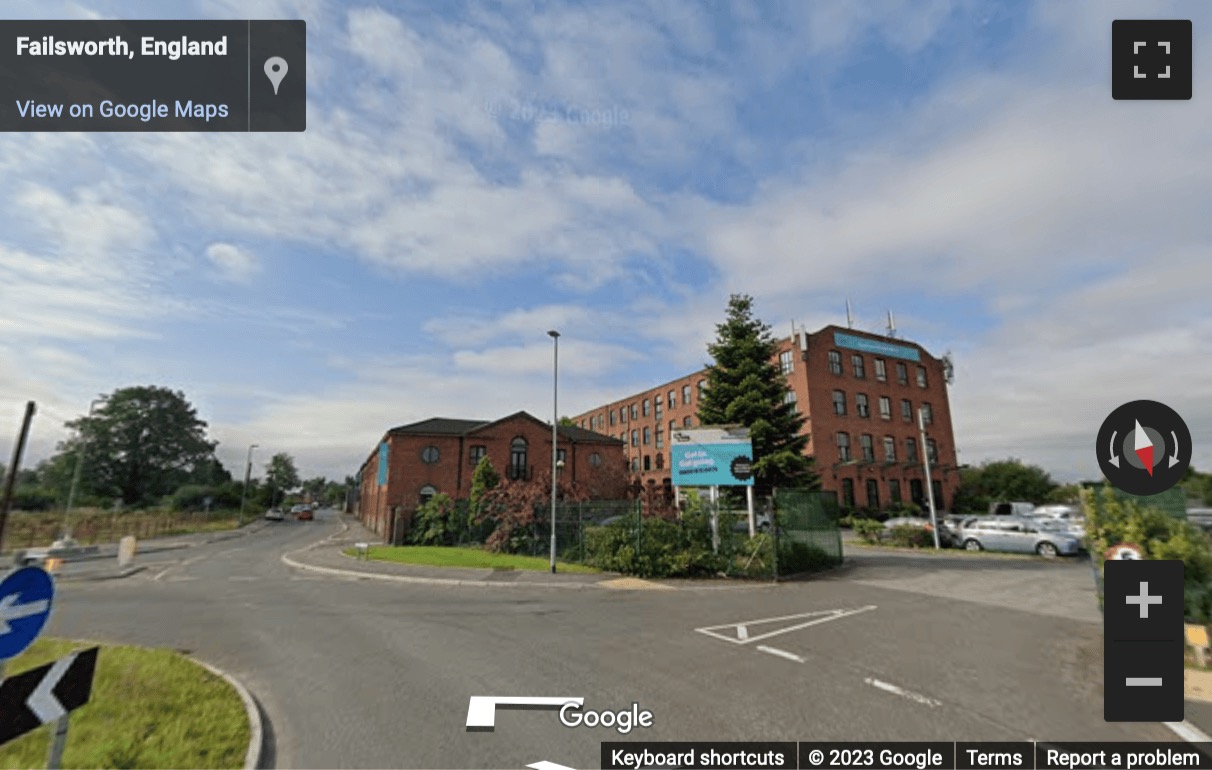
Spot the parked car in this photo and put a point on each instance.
(761, 521)
(305, 514)
(273, 514)
(1017, 534)
(1011, 509)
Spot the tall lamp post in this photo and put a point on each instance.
(555, 421)
(921, 424)
(71, 493)
(247, 479)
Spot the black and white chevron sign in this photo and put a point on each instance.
(46, 693)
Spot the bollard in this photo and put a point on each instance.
(126, 551)
(362, 550)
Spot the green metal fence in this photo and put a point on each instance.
(808, 519)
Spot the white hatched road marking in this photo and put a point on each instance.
(913, 696)
(780, 653)
(741, 630)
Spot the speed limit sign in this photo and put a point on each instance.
(1124, 551)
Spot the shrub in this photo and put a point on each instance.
(435, 522)
(868, 530)
(801, 557)
(660, 547)
(910, 537)
(30, 497)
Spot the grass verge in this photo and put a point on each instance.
(445, 556)
(149, 708)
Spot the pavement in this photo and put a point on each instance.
(357, 671)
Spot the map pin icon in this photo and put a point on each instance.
(275, 70)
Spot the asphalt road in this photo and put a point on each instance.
(358, 673)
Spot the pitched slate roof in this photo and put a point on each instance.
(446, 426)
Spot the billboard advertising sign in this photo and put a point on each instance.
(712, 457)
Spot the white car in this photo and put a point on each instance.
(274, 514)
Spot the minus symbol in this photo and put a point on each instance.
(1144, 681)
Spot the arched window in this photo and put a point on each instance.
(427, 493)
(517, 458)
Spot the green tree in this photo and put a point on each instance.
(141, 445)
(567, 422)
(211, 473)
(484, 479)
(745, 386)
(315, 487)
(1003, 480)
(281, 476)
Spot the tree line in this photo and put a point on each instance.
(145, 447)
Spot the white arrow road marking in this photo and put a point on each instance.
(913, 696)
(42, 700)
(482, 709)
(10, 610)
(545, 765)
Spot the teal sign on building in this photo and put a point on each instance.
(854, 342)
(383, 463)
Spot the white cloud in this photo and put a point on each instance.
(233, 263)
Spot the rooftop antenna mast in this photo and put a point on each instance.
(849, 316)
(891, 325)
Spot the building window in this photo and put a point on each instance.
(686, 395)
(647, 407)
(889, 449)
(885, 408)
(894, 491)
(939, 502)
(861, 407)
(660, 438)
(927, 414)
(635, 464)
(915, 491)
(906, 410)
(635, 415)
(427, 493)
(847, 493)
(686, 421)
(647, 462)
(672, 397)
(921, 376)
(429, 455)
(786, 361)
(911, 450)
(856, 361)
(659, 407)
(673, 425)
(881, 370)
(789, 398)
(647, 436)
(839, 403)
(931, 451)
(635, 438)
(660, 462)
(902, 374)
(835, 362)
(475, 454)
(561, 455)
(702, 388)
(843, 447)
(873, 494)
(614, 418)
(582, 423)
(595, 460)
(517, 458)
(868, 445)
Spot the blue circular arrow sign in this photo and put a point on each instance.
(25, 605)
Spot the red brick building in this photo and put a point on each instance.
(860, 393)
(415, 462)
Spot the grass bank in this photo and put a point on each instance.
(149, 708)
(443, 556)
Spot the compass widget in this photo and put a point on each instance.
(1144, 448)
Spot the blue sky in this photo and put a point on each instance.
(476, 173)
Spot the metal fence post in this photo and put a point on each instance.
(55, 760)
(774, 535)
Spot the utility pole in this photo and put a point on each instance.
(555, 422)
(10, 481)
(247, 478)
(71, 493)
(921, 424)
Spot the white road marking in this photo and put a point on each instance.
(241, 578)
(1188, 732)
(745, 638)
(780, 653)
(913, 696)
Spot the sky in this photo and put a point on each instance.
(476, 173)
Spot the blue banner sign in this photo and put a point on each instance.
(853, 342)
(383, 463)
(712, 465)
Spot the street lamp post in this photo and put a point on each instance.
(247, 479)
(71, 493)
(921, 423)
(555, 421)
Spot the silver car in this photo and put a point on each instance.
(1015, 534)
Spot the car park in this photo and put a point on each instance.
(1017, 534)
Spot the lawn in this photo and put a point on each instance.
(149, 708)
(444, 556)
